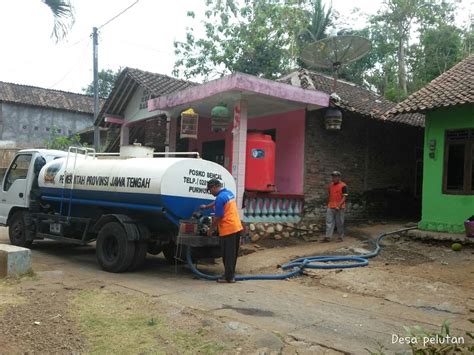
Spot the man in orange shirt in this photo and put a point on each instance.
(228, 222)
(338, 193)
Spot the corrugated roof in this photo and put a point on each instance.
(353, 97)
(41, 97)
(453, 87)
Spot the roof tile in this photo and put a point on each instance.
(453, 87)
(36, 96)
(354, 98)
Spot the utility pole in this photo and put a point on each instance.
(95, 45)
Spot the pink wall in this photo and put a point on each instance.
(289, 146)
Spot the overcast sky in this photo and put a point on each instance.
(141, 38)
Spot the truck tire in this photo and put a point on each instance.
(17, 232)
(139, 256)
(113, 249)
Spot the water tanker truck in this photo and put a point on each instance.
(129, 205)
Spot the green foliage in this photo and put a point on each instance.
(413, 41)
(107, 78)
(421, 346)
(257, 37)
(319, 19)
(63, 14)
(439, 49)
(61, 142)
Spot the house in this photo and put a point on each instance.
(125, 113)
(28, 114)
(448, 170)
(379, 159)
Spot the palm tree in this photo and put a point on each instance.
(63, 14)
(320, 20)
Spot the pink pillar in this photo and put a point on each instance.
(239, 146)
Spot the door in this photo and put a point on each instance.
(14, 187)
(214, 151)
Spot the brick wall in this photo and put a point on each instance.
(377, 161)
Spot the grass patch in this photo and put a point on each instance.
(15, 280)
(113, 322)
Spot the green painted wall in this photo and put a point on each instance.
(441, 212)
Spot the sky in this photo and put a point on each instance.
(142, 38)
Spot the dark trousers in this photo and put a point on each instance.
(230, 250)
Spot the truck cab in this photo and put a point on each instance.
(20, 180)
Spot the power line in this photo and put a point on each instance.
(120, 13)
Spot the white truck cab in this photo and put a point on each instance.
(20, 177)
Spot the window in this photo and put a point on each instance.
(459, 162)
(144, 99)
(18, 170)
(36, 128)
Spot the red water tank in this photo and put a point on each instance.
(260, 162)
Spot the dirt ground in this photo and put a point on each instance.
(68, 305)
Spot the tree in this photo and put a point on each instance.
(63, 14)
(320, 20)
(399, 18)
(60, 142)
(106, 81)
(252, 36)
(439, 49)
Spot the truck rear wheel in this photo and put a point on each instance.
(114, 251)
(139, 256)
(17, 232)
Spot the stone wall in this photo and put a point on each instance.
(278, 231)
(377, 161)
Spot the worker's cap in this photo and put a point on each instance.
(336, 173)
(213, 182)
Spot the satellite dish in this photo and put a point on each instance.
(335, 51)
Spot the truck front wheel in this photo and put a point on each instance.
(17, 232)
(113, 249)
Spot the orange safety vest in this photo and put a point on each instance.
(226, 209)
(336, 194)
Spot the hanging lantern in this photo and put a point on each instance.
(220, 118)
(333, 119)
(189, 124)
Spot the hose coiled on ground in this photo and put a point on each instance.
(312, 262)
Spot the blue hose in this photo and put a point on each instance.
(311, 262)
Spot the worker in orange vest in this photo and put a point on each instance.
(228, 223)
(338, 193)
